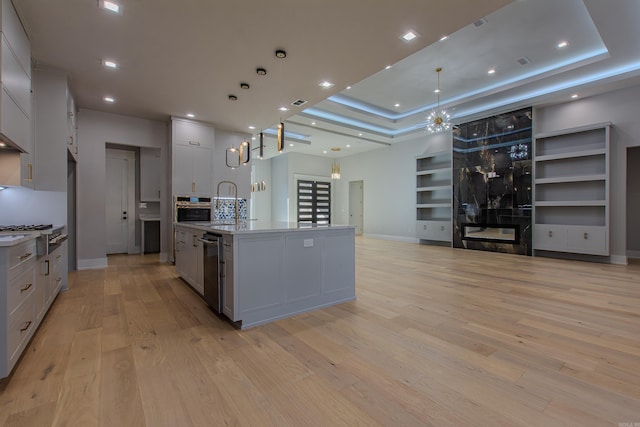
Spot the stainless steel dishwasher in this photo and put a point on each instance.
(211, 244)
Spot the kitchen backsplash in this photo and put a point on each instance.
(227, 209)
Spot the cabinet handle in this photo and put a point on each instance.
(194, 242)
(550, 233)
(223, 274)
(586, 236)
(59, 256)
(30, 172)
(26, 288)
(48, 265)
(442, 228)
(26, 326)
(424, 227)
(59, 279)
(196, 143)
(193, 187)
(27, 255)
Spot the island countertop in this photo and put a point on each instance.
(245, 227)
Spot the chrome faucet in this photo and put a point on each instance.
(235, 198)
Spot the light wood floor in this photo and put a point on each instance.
(436, 337)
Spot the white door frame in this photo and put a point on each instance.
(130, 156)
(360, 212)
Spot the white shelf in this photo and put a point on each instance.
(433, 171)
(571, 203)
(560, 179)
(433, 205)
(568, 131)
(434, 188)
(571, 155)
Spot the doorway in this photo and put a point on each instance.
(71, 211)
(120, 201)
(633, 202)
(356, 211)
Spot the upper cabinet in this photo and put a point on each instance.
(150, 166)
(191, 158)
(72, 125)
(51, 90)
(15, 77)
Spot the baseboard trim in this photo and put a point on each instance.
(619, 259)
(92, 264)
(164, 257)
(633, 254)
(390, 237)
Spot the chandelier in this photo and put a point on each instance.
(438, 119)
(335, 170)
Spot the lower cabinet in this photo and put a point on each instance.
(189, 257)
(434, 230)
(590, 240)
(228, 299)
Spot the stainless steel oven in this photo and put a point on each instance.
(187, 208)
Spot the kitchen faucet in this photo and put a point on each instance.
(235, 198)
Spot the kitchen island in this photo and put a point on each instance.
(270, 271)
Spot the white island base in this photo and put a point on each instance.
(274, 271)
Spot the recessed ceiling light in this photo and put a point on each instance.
(261, 71)
(232, 97)
(244, 85)
(348, 87)
(284, 109)
(110, 6)
(396, 105)
(387, 67)
(360, 134)
(348, 145)
(436, 91)
(574, 96)
(107, 63)
(491, 71)
(290, 145)
(313, 123)
(562, 44)
(252, 127)
(3, 144)
(109, 99)
(324, 152)
(326, 85)
(409, 35)
(443, 38)
(191, 115)
(281, 54)
(253, 138)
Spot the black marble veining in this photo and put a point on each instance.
(492, 180)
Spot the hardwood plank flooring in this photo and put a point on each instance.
(436, 337)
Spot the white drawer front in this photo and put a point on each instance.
(22, 323)
(434, 230)
(22, 253)
(20, 288)
(588, 240)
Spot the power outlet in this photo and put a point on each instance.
(308, 243)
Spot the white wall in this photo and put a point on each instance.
(261, 200)
(95, 129)
(621, 108)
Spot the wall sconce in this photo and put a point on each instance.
(335, 170)
(280, 137)
(258, 186)
(238, 156)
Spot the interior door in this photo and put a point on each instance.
(120, 208)
(356, 214)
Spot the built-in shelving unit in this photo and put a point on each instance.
(571, 190)
(433, 196)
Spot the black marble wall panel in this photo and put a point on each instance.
(492, 181)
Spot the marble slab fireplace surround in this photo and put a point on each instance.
(492, 183)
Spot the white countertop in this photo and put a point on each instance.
(14, 239)
(260, 227)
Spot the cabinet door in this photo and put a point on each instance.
(14, 124)
(183, 184)
(228, 307)
(202, 170)
(181, 253)
(587, 240)
(150, 165)
(550, 237)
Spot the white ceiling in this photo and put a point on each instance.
(188, 56)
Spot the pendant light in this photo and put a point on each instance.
(335, 170)
(280, 137)
(438, 119)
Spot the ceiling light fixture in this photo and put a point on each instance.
(326, 85)
(348, 145)
(409, 35)
(396, 105)
(110, 6)
(574, 96)
(191, 115)
(562, 44)
(283, 109)
(261, 71)
(335, 170)
(290, 145)
(281, 54)
(109, 99)
(438, 119)
(491, 71)
(244, 85)
(252, 127)
(232, 98)
(387, 67)
(443, 38)
(107, 63)
(3, 144)
(280, 137)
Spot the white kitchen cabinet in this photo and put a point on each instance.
(190, 257)
(150, 166)
(192, 158)
(15, 77)
(18, 297)
(433, 196)
(571, 190)
(228, 299)
(51, 132)
(72, 125)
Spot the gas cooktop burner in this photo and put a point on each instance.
(18, 228)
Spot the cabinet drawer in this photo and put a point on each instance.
(22, 323)
(22, 253)
(434, 230)
(20, 288)
(588, 240)
(550, 237)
